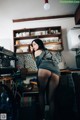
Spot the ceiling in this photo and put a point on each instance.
(17, 9)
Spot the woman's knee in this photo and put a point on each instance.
(44, 73)
(55, 79)
(43, 77)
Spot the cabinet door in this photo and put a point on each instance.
(77, 15)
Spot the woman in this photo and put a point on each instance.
(48, 73)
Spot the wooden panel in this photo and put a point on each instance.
(42, 18)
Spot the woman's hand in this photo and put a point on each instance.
(30, 49)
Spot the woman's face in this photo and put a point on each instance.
(35, 46)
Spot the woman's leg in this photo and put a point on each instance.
(53, 83)
(43, 76)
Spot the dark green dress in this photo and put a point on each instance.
(46, 60)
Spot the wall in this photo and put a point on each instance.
(7, 27)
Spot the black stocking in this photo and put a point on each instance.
(42, 82)
(53, 83)
(45, 76)
(42, 89)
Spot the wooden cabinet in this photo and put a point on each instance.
(77, 15)
(51, 36)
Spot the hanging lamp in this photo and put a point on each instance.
(46, 5)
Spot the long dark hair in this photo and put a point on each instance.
(40, 43)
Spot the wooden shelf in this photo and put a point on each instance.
(21, 45)
(36, 36)
(55, 43)
(50, 35)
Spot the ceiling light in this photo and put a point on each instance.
(46, 5)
